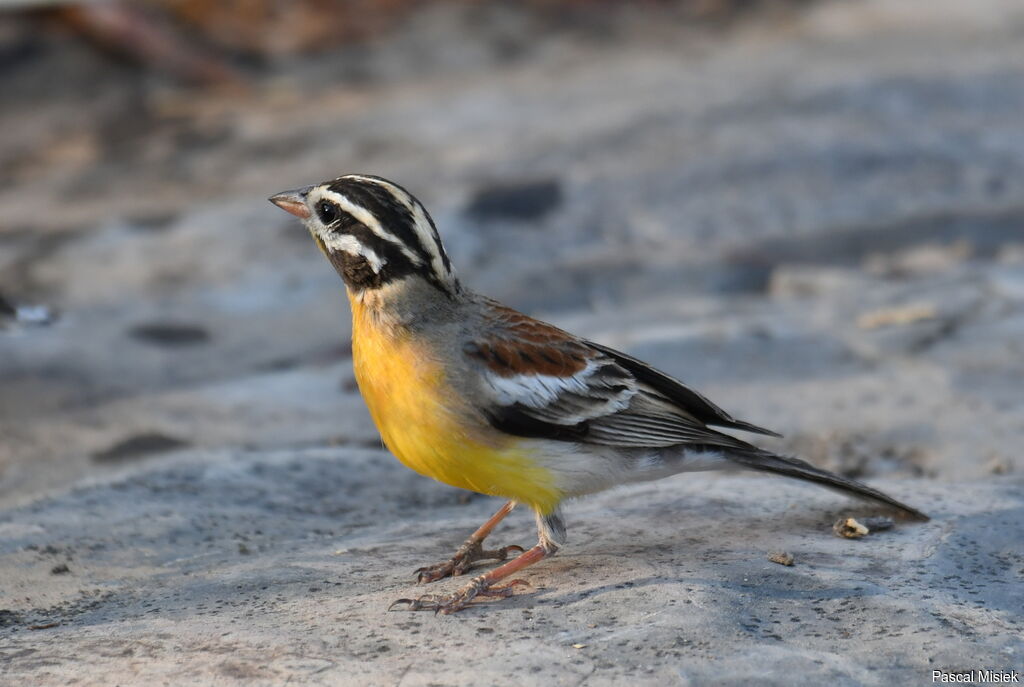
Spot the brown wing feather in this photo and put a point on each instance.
(521, 345)
(508, 358)
(547, 381)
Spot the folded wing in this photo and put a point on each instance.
(543, 382)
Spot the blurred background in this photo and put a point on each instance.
(809, 209)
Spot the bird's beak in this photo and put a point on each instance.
(292, 201)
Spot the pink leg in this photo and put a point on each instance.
(472, 550)
(484, 585)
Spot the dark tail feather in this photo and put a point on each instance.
(794, 467)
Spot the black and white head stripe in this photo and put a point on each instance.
(384, 225)
(427, 238)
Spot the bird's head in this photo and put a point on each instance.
(373, 231)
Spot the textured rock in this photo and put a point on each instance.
(280, 565)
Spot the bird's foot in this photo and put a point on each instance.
(446, 604)
(470, 552)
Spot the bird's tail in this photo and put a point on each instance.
(766, 461)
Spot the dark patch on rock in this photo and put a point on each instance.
(171, 335)
(523, 201)
(48, 550)
(67, 610)
(153, 222)
(61, 569)
(330, 355)
(19, 49)
(279, 364)
(139, 446)
(6, 309)
(9, 617)
(986, 232)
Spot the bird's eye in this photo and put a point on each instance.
(327, 212)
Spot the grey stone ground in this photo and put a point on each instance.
(814, 218)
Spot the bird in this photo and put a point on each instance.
(479, 396)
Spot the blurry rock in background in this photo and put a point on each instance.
(203, 42)
(146, 36)
(275, 27)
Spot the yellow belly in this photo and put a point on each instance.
(418, 418)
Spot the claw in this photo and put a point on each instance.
(462, 561)
(427, 601)
(452, 603)
(399, 601)
(433, 573)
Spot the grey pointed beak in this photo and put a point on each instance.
(293, 202)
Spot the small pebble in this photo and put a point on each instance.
(849, 528)
(781, 557)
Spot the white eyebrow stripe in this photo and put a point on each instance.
(350, 244)
(366, 218)
(425, 231)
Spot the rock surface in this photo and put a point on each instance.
(813, 218)
(278, 566)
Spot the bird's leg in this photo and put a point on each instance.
(550, 527)
(472, 550)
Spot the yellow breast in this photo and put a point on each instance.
(419, 418)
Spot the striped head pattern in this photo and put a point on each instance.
(373, 231)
